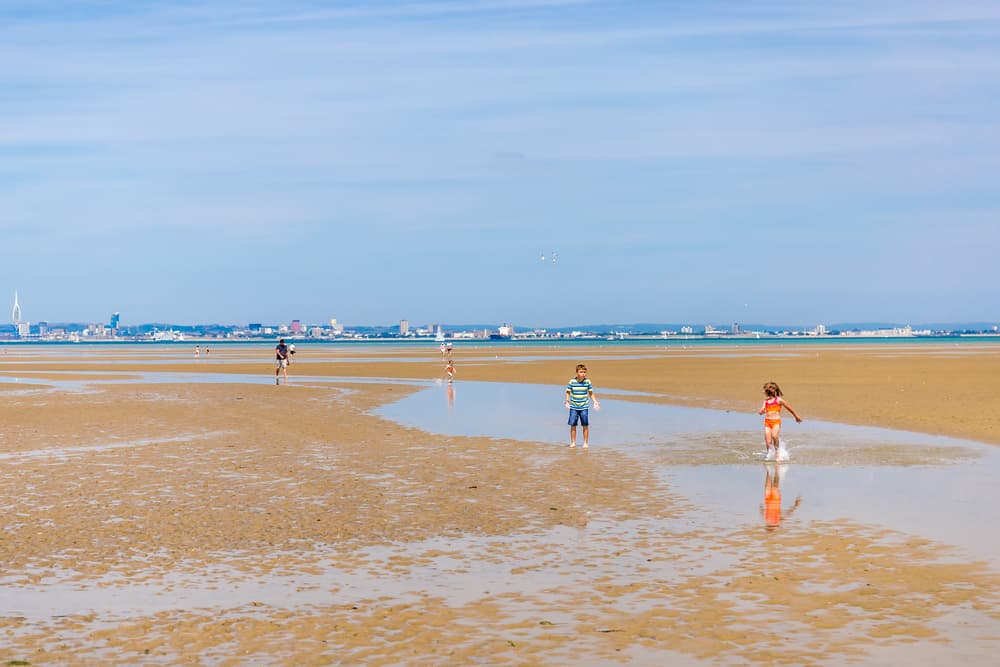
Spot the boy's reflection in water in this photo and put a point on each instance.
(771, 509)
(451, 396)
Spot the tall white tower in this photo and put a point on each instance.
(16, 314)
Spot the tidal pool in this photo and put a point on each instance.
(939, 488)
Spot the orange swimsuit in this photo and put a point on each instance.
(772, 506)
(772, 412)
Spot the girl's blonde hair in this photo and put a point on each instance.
(772, 389)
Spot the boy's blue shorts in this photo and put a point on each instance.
(581, 416)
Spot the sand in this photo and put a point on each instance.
(236, 523)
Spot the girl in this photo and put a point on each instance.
(771, 409)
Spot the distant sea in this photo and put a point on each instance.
(669, 342)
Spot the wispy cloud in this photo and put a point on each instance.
(427, 120)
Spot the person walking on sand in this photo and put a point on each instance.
(579, 393)
(449, 370)
(771, 409)
(281, 361)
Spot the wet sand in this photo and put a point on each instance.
(211, 523)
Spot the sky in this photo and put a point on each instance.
(779, 162)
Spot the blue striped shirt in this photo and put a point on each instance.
(579, 393)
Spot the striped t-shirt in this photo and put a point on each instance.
(579, 393)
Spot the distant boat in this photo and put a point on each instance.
(506, 332)
(439, 336)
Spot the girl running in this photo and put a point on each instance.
(771, 409)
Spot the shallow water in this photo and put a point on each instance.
(712, 459)
(939, 488)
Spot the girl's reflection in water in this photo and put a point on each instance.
(771, 508)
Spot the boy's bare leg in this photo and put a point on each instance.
(572, 436)
(586, 436)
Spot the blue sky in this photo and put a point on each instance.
(689, 162)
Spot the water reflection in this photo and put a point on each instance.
(860, 473)
(534, 413)
(771, 509)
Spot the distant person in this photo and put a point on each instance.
(450, 371)
(207, 351)
(444, 350)
(448, 347)
(771, 509)
(281, 361)
(771, 409)
(579, 393)
(291, 353)
(197, 351)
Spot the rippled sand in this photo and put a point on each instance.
(236, 523)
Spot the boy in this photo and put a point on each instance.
(578, 394)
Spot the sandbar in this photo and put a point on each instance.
(227, 523)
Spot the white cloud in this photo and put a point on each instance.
(386, 120)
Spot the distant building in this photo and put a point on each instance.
(736, 328)
(296, 327)
(115, 317)
(404, 327)
(255, 327)
(22, 328)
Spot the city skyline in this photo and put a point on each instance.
(27, 329)
(295, 325)
(709, 162)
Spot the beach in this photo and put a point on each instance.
(159, 509)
